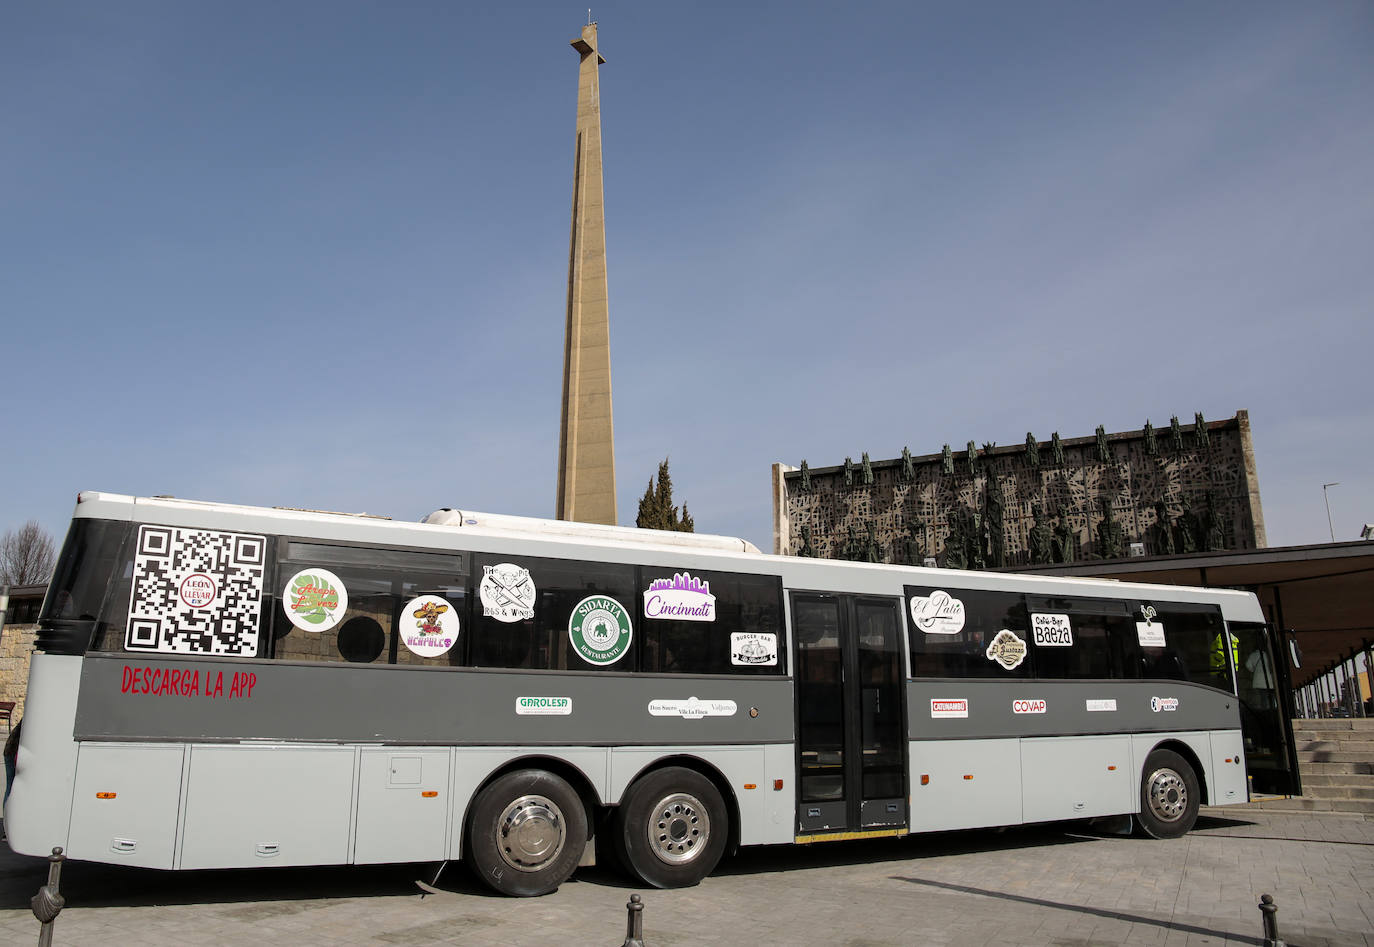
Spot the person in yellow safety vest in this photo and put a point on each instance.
(1217, 658)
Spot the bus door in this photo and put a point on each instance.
(851, 724)
(1264, 687)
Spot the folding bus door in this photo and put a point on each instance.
(851, 728)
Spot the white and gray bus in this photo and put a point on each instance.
(221, 686)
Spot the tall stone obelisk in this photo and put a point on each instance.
(586, 443)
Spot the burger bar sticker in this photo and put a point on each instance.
(507, 592)
(681, 597)
(1007, 649)
(429, 626)
(315, 599)
(938, 613)
(753, 648)
(600, 630)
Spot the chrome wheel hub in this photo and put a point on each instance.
(530, 833)
(678, 828)
(1167, 795)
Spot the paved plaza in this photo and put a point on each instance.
(1059, 884)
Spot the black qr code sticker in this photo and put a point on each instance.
(196, 591)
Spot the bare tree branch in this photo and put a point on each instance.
(27, 555)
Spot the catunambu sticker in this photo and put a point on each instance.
(507, 592)
(600, 629)
(429, 626)
(753, 648)
(315, 599)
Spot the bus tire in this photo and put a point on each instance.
(526, 833)
(671, 830)
(1169, 795)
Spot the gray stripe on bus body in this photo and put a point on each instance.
(346, 703)
(990, 708)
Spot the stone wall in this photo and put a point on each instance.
(16, 648)
(1179, 488)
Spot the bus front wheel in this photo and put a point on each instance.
(672, 827)
(526, 833)
(1169, 795)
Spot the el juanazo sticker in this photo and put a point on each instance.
(1007, 649)
(507, 592)
(681, 597)
(938, 613)
(600, 629)
(315, 599)
(1051, 631)
(750, 648)
(429, 626)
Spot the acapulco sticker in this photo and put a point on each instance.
(315, 599)
(948, 707)
(600, 629)
(507, 592)
(435, 626)
(1007, 649)
(938, 613)
(681, 597)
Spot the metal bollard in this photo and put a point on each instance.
(48, 903)
(1269, 912)
(634, 923)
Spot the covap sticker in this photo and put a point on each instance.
(1051, 631)
(600, 630)
(938, 613)
(315, 600)
(507, 592)
(1007, 649)
(1034, 705)
(948, 707)
(681, 597)
(1158, 704)
(429, 626)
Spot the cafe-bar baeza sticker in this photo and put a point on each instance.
(600, 629)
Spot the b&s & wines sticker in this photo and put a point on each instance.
(507, 592)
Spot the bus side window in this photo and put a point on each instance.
(1194, 646)
(1083, 639)
(735, 625)
(952, 630)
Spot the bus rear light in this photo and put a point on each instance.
(429, 793)
(104, 795)
(925, 779)
(777, 785)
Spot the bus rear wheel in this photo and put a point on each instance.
(526, 833)
(671, 829)
(1169, 795)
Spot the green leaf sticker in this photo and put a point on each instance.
(315, 600)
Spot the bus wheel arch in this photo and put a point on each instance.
(1170, 794)
(667, 829)
(1192, 759)
(527, 826)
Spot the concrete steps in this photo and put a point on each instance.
(1336, 759)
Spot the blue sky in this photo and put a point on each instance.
(315, 254)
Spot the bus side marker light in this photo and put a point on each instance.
(1228, 759)
(925, 779)
(1111, 769)
(429, 793)
(968, 775)
(751, 785)
(777, 785)
(104, 795)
